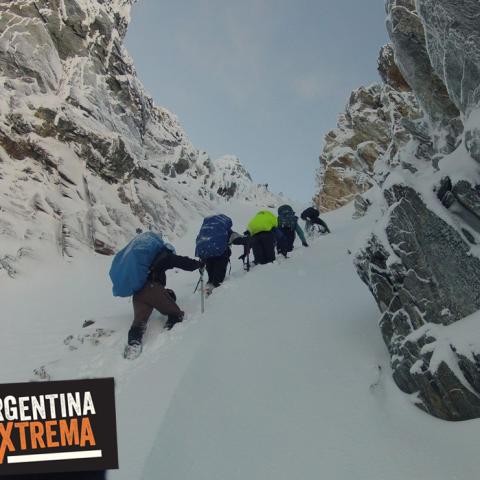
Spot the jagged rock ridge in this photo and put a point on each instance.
(86, 157)
(371, 128)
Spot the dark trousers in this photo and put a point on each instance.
(152, 296)
(285, 241)
(263, 246)
(217, 268)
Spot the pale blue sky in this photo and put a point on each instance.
(260, 79)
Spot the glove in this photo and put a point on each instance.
(305, 244)
(201, 266)
(233, 236)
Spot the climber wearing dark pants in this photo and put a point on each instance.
(288, 228)
(154, 295)
(311, 216)
(262, 236)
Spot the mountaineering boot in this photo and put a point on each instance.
(132, 350)
(173, 320)
(134, 346)
(208, 289)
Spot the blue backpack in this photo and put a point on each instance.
(131, 265)
(212, 240)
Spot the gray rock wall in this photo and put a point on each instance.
(420, 262)
(407, 34)
(452, 36)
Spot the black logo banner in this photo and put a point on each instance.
(65, 426)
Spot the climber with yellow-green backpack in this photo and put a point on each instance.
(262, 236)
(267, 231)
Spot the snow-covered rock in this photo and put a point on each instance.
(408, 37)
(370, 128)
(86, 157)
(421, 271)
(453, 43)
(231, 180)
(422, 261)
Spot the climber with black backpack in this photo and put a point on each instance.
(212, 246)
(311, 215)
(138, 270)
(288, 227)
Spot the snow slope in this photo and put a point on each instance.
(285, 376)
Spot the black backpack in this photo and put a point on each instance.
(310, 213)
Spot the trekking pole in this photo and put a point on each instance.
(202, 292)
(198, 283)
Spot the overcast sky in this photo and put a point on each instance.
(260, 79)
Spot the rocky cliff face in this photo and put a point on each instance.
(85, 155)
(422, 262)
(371, 128)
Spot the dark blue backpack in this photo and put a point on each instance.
(131, 265)
(212, 240)
(287, 217)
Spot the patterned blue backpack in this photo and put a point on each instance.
(212, 240)
(131, 265)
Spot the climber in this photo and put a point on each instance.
(311, 215)
(262, 228)
(288, 226)
(140, 270)
(213, 247)
(154, 295)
